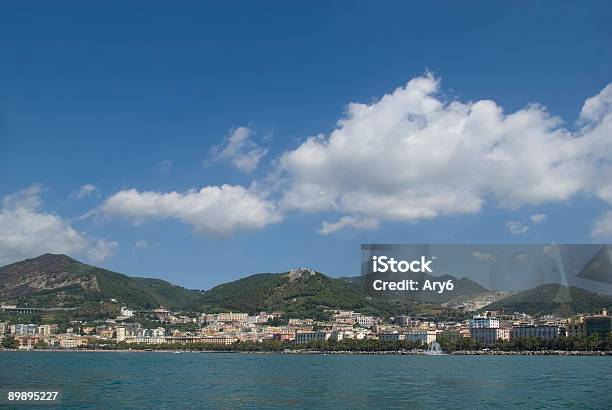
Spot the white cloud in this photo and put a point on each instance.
(348, 221)
(602, 227)
(141, 244)
(516, 228)
(482, 256)
(412, 155)
(239, 149)
(538, 218)
(164, 166)
(213, 210)
(596, 108)
(102, 250)
(27, 231)
(86, 191)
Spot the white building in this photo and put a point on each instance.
(479, 322)
(364, 321)
(148, 340)
(120, 334)
(489, 335)
(425, 337)
(125, 312)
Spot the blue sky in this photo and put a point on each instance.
(140, 100)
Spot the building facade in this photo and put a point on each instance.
(600, 324)
(425, 337)
(540, 331)
(391, 337)
(479, 322)
(305, 337)
(489, 335)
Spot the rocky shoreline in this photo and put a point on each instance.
(344, 352)
(533, 353)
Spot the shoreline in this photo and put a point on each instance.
(339, 352)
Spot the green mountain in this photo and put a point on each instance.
(60, 281)
(299, 293)
(552, 299)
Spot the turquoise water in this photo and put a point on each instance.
(227, 380)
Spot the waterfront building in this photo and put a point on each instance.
(576, 327)
(425, 337)
(600, 323)
(148, 340)
(489, 335)
(220, 340)
(71, 341)
(27, 342)
(305, 337)
(540, 331)
(452, 335)
(3, 327)
(391, 337)
(44, 330)
(283, 336)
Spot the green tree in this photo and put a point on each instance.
(40, 344)
(9, 342)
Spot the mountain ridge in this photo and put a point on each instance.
(61, 281)
(552, 298)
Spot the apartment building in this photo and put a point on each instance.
(540, 331)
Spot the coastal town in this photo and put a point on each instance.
(162, 328)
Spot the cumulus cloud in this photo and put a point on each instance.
(346, 222)
(413, 155)
(213, 210)
(516, 228)
(86, 191)
(602, 227)
(538, 218)
(239, 149)
(102, 250)
(26, 230)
